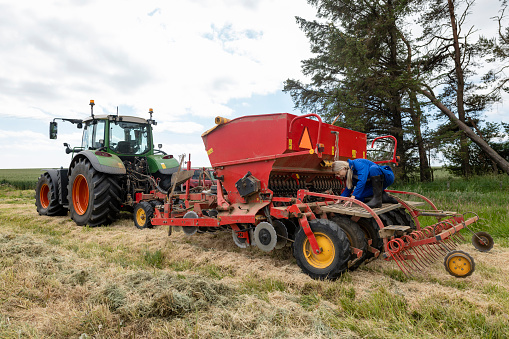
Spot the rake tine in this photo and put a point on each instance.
(417, 261)
(425, 260)
(432, 251)
(405, 263)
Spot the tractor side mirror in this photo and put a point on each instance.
(68, 149)
(53, 129)
(159, 146)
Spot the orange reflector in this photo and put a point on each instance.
(305, 140)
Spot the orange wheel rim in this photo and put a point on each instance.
(43, 196)
(80, 194)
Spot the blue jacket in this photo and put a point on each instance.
(361, 187)
(363, 170)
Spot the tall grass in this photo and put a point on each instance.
(487, 196)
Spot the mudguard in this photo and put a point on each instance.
(156, 163)
(102, 161)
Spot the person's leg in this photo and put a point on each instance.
(376, 174)
(388, 180)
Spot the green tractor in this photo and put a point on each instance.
(116, 161)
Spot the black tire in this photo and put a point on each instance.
(46, 197)
(407, 218)
(94, 197)
(355, 236)
(371, 232)
(142, 215)
(164, 181)
(336, 250)
(397, 218)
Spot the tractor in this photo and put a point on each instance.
(116, 160)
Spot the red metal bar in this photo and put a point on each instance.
(309, 115)
(415, 194)
(302, 193)
(394, 159)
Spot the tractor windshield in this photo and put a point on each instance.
(129, 138)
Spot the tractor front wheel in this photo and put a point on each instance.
(94, 197)
(46, 197)
(333, 259)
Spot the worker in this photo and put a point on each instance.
(364, 179)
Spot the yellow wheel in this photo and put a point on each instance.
(459, 264)
(323, 259)
(143, 213)
(335, 250)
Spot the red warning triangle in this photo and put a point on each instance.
(305, 140)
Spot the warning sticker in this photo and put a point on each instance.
(163, 165)
(210, 151)
(305, 140)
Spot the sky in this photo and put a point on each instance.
(189, 60)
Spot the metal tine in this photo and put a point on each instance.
(433, 251)
(426, 248)
(416, 257)
(451, 243)
(394, 247)
(423, 261)
(408, 262)
(419, 249)
(416, 261)
(404, 262)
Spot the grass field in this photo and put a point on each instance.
(58, 280)
(22, 179)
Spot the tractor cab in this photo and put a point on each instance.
(123, 136)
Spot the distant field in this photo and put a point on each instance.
(23, 179)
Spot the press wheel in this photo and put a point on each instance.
(482, 241)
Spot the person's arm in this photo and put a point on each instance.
(346, 192)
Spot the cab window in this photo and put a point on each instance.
(93, 135)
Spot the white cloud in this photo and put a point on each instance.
(184, 57)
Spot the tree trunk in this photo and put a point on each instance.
(415, 114)
(460, 92)
(504, 165)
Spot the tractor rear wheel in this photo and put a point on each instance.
(355, 236)
(46, 197)
(333, 260)
(94, 197)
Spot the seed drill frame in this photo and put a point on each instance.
(276, 187)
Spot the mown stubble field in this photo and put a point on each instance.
(59, 280)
